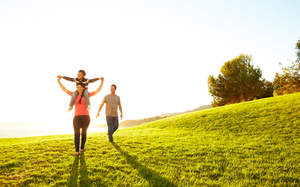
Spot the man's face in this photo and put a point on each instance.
(112, 89)
(80, 75)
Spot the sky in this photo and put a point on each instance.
(159, 53)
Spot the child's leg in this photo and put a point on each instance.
(72, 102)
(87, 98)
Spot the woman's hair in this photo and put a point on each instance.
(82, 85)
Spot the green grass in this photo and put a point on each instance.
(251, 143)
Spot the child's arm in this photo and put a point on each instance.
(68, 78)
(93, 80)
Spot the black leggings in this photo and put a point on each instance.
(80, 122)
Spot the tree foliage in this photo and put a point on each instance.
(238, 81)
(268, 89)
(298, 49)
(289, 80)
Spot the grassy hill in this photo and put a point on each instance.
(251, 143)
(132, 123)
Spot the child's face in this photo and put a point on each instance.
(80, 75)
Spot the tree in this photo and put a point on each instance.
(298, 49)
(268, 89)
(289, 80)
(238, 81)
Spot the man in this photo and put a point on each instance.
(112, 102)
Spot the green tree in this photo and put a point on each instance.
(268, 89)
(239, 81)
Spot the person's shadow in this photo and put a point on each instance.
(148, 174)
(83, 177)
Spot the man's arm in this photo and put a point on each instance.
(120, 108)
(100, 108)
(93, 80)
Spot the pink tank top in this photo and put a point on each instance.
(81, 108)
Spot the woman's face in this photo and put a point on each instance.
(80, 88)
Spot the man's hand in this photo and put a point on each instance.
(101, 78)
(121, 116)
(59, 77)
(98, 114)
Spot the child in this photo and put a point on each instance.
(80, 80)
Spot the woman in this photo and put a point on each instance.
(81, 119)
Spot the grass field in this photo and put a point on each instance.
(251, 143)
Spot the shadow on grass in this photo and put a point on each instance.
(151, 176)
(82, 173)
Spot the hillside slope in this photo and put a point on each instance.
(251, 143)
(132, 123)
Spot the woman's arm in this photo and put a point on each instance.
(99, 88)
(62, 86)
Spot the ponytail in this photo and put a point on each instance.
(82, 95)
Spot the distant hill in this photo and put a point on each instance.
(132, 123)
